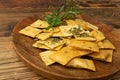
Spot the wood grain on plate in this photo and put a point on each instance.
(30, 55)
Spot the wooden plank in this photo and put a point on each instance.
(110, 16)
(9, 18)
(47, 3)
(11, 67)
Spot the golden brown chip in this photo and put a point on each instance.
(98, 35)
(79, 22)
(82, 23)
(37, 44)
(85, 36)
(43, 36)
(82, 52)
(91, 26)
(105, 44)
(37, 23)
(57, 34)
(82, 63)
(103, 55)
(85, 45)
(52, 42)
(56, 29)
(108, 44)
(45, 57)
(65, 30)
(40, 24)
(85, 25)
(70, 22)
(30, 31)
(71, 30)
(64, 55)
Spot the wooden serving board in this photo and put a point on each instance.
(30, 55)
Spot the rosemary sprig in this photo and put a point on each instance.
(67, 11)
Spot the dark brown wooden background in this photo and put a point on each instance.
(12, 11)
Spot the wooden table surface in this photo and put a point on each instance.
(13, 11)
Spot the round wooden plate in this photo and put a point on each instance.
(30, 55)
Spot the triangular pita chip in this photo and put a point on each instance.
(105, 44)
(40, 24)
(30, 31)
(82, 63)
(85, 45)
(45, 57)
(37, 44)
(98, 35)
(65, 31)
(64, 55)
(52, 42)
(85, 36)
(103, 55)
(43, 36)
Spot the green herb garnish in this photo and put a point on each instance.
(67, 11)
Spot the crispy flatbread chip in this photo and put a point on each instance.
(43, 36)
(71, 30)
(83, 52)
(85, 36)
(64, 55)
(52, 42)
(70, 22)
(37, 23)
(82, 63)
(85, 25)
(82, 23)
(98, 35)
(108, 44)
(65, 30)
(105, 44)
(79, 22)
(40, 24)
(56, 29)
(30, 31)
(37, 44)
(103, 55)
(57, 34)
(91, 26)
(85, 45)
(45, 57)
(52, 30)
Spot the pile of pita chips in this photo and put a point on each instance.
(66, 44)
